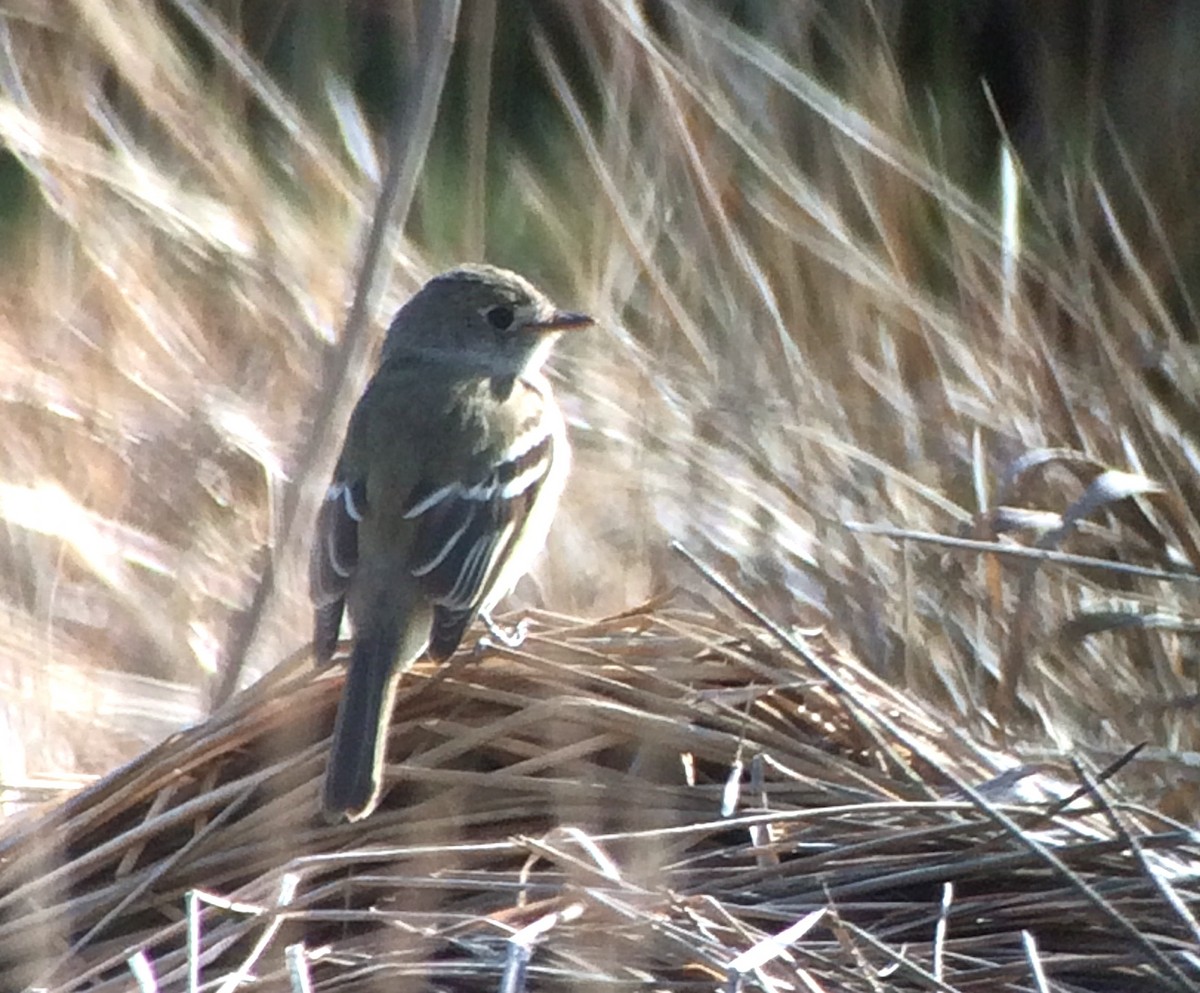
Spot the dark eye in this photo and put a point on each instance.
(500, 317)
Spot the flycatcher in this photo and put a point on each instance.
(449, 476)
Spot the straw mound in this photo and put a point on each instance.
(557, 814)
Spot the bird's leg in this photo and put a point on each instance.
(507, 637)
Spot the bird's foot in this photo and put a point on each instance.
(506, 637)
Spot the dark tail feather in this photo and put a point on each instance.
(327, 622)
(353, 778)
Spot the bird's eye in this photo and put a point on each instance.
(500, 317)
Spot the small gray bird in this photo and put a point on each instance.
(449, 476)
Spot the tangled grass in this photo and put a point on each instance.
(647, 801)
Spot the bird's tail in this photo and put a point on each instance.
(353, 778)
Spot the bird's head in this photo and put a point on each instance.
(482, 318)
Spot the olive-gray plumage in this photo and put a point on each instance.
(449, 475)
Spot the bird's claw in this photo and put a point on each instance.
(505, 637)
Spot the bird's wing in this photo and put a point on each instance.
(459, 521)
(334, 558)
(467, 528)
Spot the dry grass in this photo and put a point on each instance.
(825, 369)
(640, 802)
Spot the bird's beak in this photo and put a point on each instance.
(561, 320)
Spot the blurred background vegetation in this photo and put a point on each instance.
(788, 219)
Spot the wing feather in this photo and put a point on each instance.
(334, 559)
(470, 529)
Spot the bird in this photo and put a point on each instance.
(450, 473)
